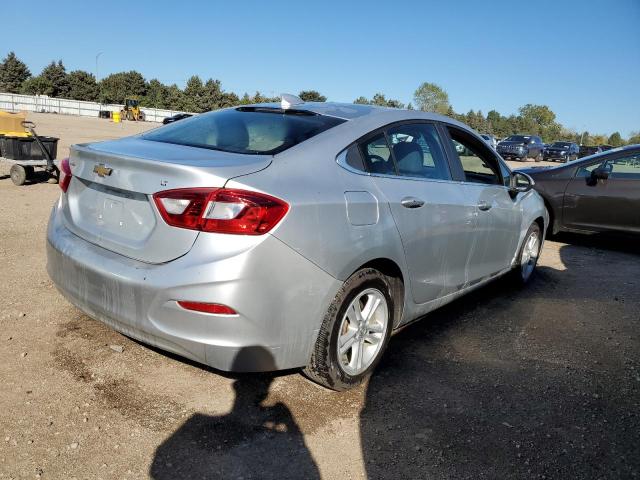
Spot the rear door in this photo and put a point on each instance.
(605, 204)
(408, 164)
(485, 190)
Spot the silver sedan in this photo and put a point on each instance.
(287, 235)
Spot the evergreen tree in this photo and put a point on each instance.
(82, 86)
(13, 73)
(56, 77)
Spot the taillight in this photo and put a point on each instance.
(215, 308)
(65, 175)
(220, 210)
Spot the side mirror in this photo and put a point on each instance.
(520, 182)
(600, 173)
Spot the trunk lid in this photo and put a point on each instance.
(109, 202)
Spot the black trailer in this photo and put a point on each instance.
(25, 154)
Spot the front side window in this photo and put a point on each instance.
(477, 162)
(625, 168)
(247, 130)
(418, 152)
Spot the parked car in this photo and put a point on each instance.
(176, 117)
(586, 150)
(563, 151)
(276, 236)
(490, 139)
(595, 194)
(604, 148)
(521, 147)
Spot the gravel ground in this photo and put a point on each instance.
(541, 382)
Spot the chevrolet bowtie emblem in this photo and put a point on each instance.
(102, 170)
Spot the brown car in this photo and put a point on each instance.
(599, 193)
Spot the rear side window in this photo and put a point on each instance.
(248, 130)
(418, 152)
(377, 155)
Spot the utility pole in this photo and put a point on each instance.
(97, 57)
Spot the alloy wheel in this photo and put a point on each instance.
(529, 256)
(362, 331)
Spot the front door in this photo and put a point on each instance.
(611, 203)
(498, 215)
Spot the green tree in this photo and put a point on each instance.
(56, 76)
(584, 138)
(174, 99)
(259, 98)
(430, 97)
(13, 73)
(157, 94)
(634, 138)
(194, 96)
(82, 86)
(379, 100)
(36, 86)
(539, 120)
(312, 96)
(615, 140)
(118, 86)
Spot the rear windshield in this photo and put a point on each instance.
(249, 130)
(518, 138)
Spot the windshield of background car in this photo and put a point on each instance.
(517, 138)
(561, 145)
(248, 130)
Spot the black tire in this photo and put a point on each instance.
(54, 176)
(518, 272)
(30, 171)
(18, 175)
(324, 367)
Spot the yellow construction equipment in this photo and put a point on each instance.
(131, 110)
(11, 124)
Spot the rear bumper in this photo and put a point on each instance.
(279, 295)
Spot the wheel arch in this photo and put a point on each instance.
(391, 270)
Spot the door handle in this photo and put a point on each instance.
(411, 202)
(484, 206)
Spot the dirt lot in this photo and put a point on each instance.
(542, 382)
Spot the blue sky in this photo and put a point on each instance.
(580, 57)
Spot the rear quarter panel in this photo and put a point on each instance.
(318, 226)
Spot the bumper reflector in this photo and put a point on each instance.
(214, 308)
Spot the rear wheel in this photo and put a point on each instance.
(529, 253)
(354, 332)
(18, 175)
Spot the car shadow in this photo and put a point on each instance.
(253, 440)
(509, 382)
(602, 241)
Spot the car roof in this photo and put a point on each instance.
(350, 111)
